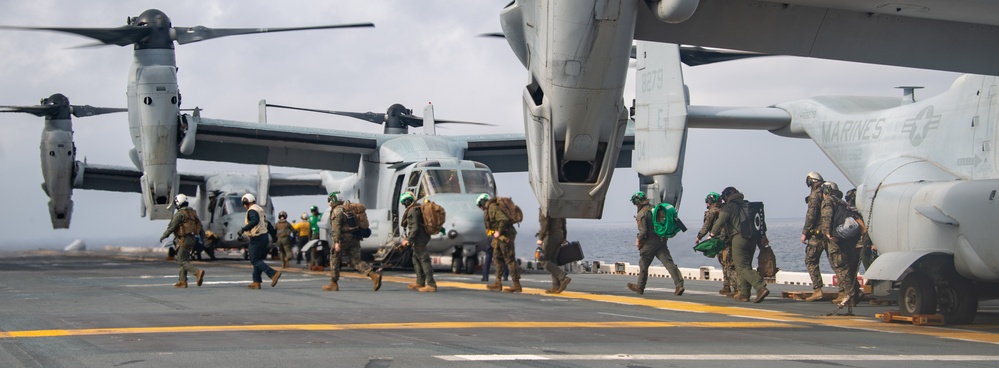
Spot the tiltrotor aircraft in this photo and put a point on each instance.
(60, 170)
(923, 169)
(154, 117)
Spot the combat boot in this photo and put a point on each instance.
(679, 291)
(376, 279)
(284, 263)
(761, 293)
(274, 280)
(414, 286)
(255, 285)
(725, 290)
(199, 276)
(563, 284)
(515, 288)
(738, 296)
(815, 296)
(332, 286)
(428, 289)
(839, 298)
(636, 289)
(495, 286)
(180, 285)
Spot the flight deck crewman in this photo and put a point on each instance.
(256, 228)
(284, 229)
(304, 231)
(842, 252)
(500, 228)
(184, 226)
(651, 245)
(314, 255)
(417, 237)
(346, 247)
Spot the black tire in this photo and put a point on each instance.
(958, 301)
(456, 265)
(917, 296)
(470, 264)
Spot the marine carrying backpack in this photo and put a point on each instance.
(845, 225)
(511, 210)
(665, 221)
(357, 220)
(433, 217)
(753, 220)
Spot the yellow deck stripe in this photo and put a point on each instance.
(386, 326)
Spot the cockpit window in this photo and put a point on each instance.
(478, 182)
(440, 181)
(235, 205)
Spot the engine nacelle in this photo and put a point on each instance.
(953, 217)
(672, 11)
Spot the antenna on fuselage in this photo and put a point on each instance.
(908, 94)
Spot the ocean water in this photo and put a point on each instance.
(615, 242)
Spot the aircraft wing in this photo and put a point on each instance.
(951, 35)
(278, 145)
(296, 184)
(508, 152)
(126, 179)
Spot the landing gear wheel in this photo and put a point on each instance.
(958, 301)
(917, 295)
(456, 266)
(470, 264)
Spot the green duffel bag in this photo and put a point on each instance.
(710, 247)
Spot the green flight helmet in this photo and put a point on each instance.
(333, 197)
(712, 197)
(314, 209)
(481, 199)
(638, 197)
(406, 198)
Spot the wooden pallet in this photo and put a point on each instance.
(801, 295)
(916, 319)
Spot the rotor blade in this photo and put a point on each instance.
(696, 55)
(200, 33)
(87, 110)
(40, 110)
(495, 35)
(376, 118)
(121, 36)
(461, 122)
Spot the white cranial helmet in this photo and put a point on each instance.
(249, 198)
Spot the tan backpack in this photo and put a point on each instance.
(433, 217)
(357, 216)
(511, 210)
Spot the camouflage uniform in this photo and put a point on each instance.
(284, 229)
(650, 246)
(504, 253)
(816, 242)
(725, 256)
(743, 250)
(418, 238)
(552, 235)
(842, 253)
(350, 247)
(184, 225)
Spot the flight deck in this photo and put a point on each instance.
(112, 309)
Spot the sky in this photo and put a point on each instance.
(419, 52)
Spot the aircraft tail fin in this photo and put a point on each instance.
(428, 120)
(660, 110)
(263, 171)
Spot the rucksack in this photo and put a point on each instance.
(433, 217)
(752, 220)
(844, 222)
(511, 210)
(665, 221)
(357, 220)
(767, 263)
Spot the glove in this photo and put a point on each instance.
(161, 239)
(239, 233)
